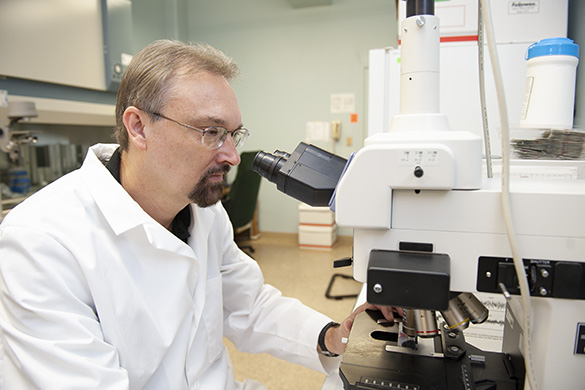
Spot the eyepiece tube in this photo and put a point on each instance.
(267, 165)
(308, 174)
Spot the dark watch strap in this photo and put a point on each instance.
(321, 341)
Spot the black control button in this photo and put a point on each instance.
(418, 171)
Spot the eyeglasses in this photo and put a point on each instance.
(214, 136)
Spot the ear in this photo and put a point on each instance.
(134, 121)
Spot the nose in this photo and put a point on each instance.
(228, 152)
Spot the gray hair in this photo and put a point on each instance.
(149, 80)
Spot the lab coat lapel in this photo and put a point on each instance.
(120, 210)
(206, 341)
(155, 308)
(117, 206)
(203, 219)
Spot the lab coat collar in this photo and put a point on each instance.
(122, 212)
(119, 209)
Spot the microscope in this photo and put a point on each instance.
(429, 231)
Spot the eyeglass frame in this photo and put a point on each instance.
(245, 132)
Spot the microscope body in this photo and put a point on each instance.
(395, 214)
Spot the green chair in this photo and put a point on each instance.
(240, 202)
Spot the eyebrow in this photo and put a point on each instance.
(216, 122)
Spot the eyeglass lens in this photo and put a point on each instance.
(215, 137)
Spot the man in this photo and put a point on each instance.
(124, 274)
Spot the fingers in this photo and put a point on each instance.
(387, 311)
(399, 311)
(361, 308)
(345, 327)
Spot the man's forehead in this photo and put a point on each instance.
(205, 98)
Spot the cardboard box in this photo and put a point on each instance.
(309, 215)
(317, 237)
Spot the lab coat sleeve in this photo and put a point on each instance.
(257, 318)
(50, 336)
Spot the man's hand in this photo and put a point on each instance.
(336, 338)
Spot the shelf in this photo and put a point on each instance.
(66, 112)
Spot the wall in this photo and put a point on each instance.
(291, 61)
(157, 19)
(577, 33)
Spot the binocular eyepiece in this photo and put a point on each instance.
(267, 165)
(308, 174)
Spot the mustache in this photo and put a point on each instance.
(223, 169)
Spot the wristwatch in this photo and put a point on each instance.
(321, 341)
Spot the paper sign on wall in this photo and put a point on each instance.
(318, 131)
(342, 103)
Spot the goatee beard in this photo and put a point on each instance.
(207, 194)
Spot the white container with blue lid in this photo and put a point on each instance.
(551, 73)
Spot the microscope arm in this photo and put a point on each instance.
(423, 160)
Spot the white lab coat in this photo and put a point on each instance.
(96, 294)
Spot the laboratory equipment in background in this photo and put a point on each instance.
(36, 154)
(551, 73)
(11, 140)
(546, 120)
(430, 231)
(517, 25)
